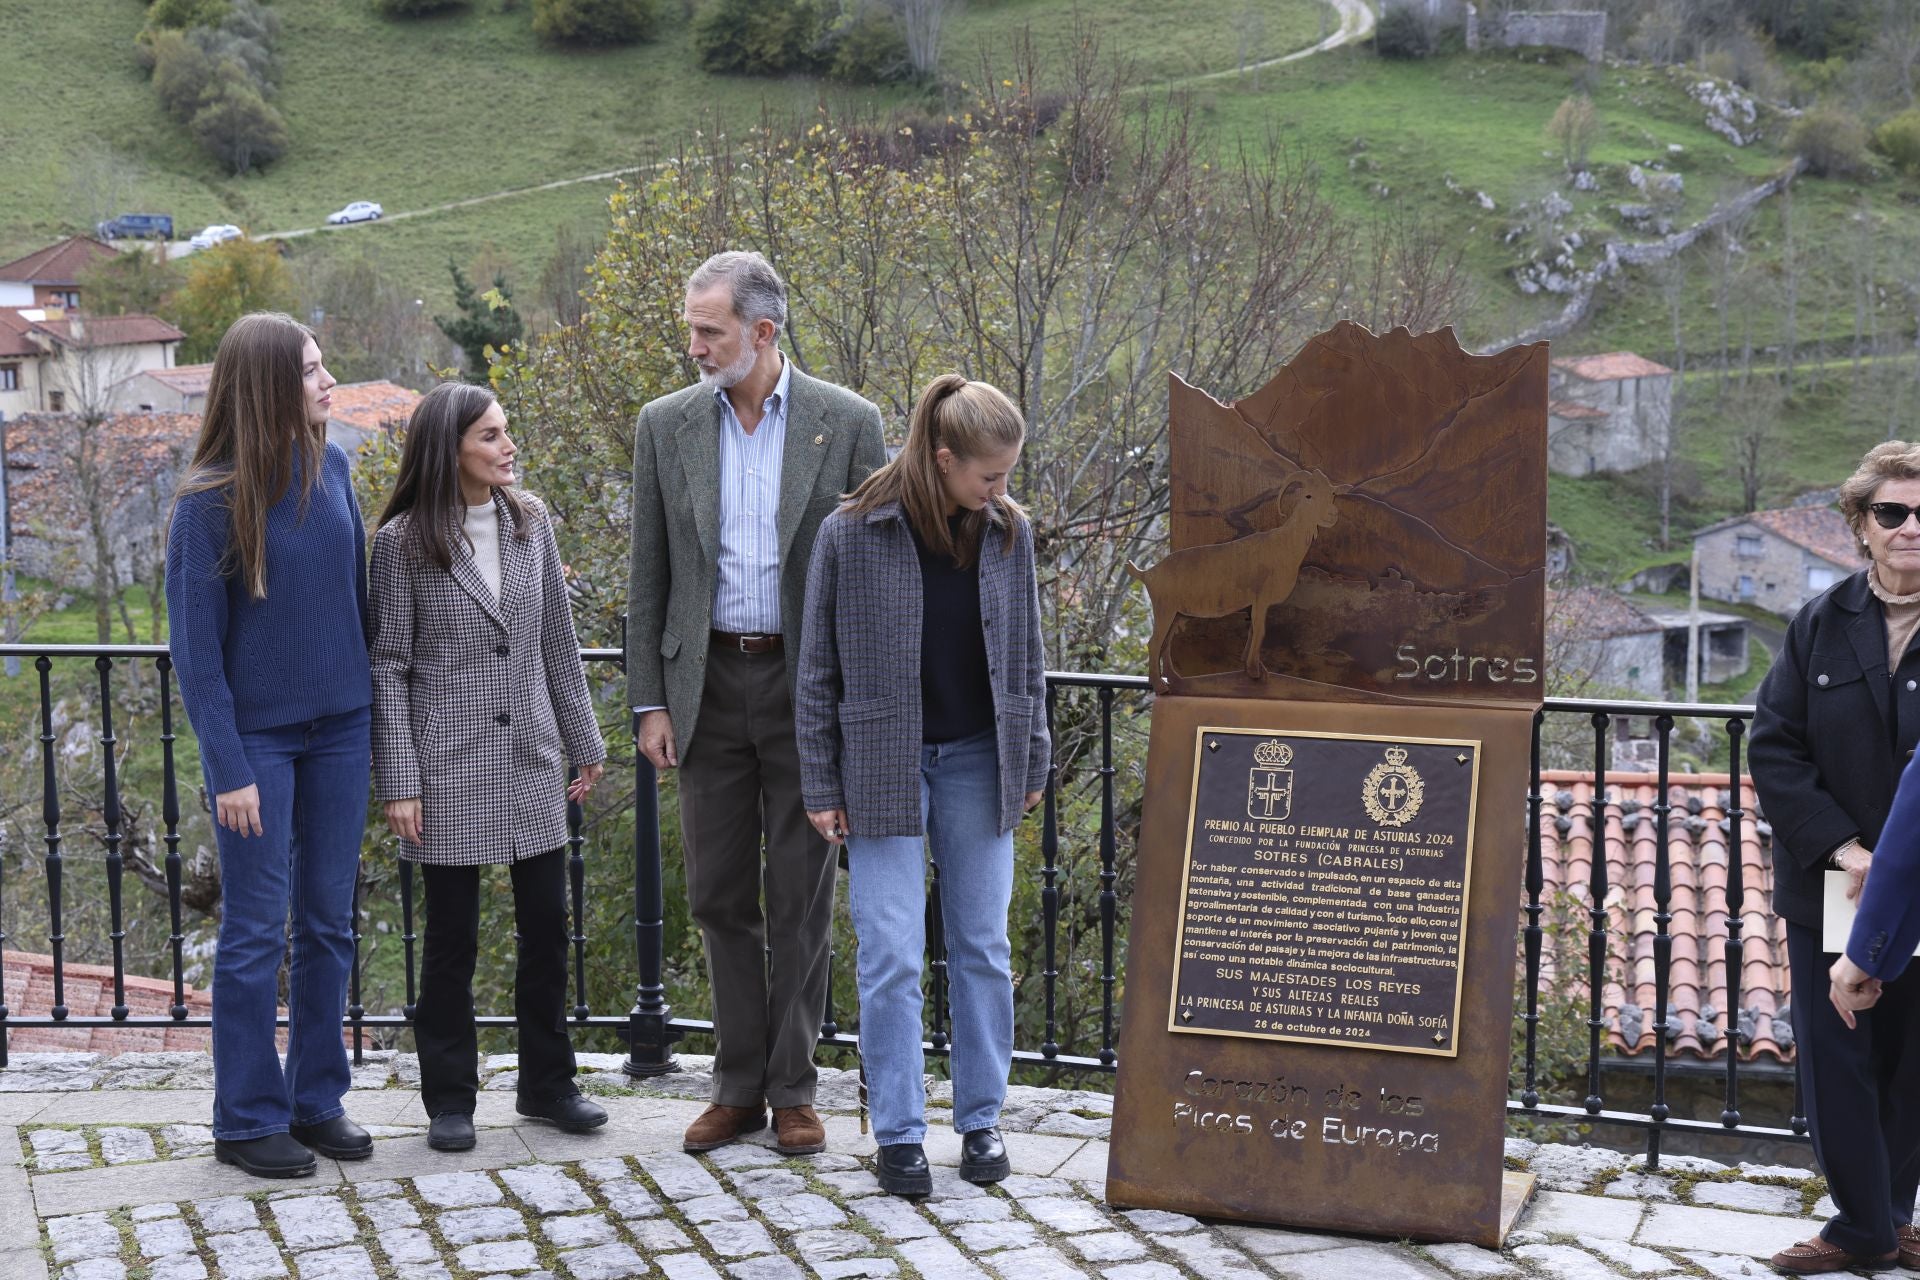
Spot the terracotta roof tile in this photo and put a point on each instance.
(57, 264)
(369, 406)
(141, 449)
(14, 329)
(109, 331)
(88, 991)
(1590, 612)
(1610, 367)
(1699, 903)
(1573, 411)
(187, 379)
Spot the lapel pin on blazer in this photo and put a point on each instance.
(820, 439)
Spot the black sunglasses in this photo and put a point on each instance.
(1891, 515)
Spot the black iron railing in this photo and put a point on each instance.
(1087, 703)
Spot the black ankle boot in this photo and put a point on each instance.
(278, 1155)
(983, 1156)
(336, 1139)
(451, 1131)
(569, 1112)
(902, 1170)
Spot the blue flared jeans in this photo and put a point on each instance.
(960, 810)
(313, 780)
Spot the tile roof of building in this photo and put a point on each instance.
(1573, 411)
(368, 406)
(1594, 612)
(1699, 870)
(14, 329)
(57, 264)
(187, 379)
(140, 449)
(1610, 366)
(109, 331)
(1819, 529)
(88, 993)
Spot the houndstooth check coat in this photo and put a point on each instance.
(478, 703)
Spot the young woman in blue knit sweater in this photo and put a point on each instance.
(266, 605)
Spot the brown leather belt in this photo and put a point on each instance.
(747, 643)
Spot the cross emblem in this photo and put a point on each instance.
(1270, 793)
(1394, 791)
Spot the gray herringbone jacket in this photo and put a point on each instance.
(478, 703)
(857, 702)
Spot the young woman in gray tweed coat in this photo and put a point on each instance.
(920, 709)
(479, 705)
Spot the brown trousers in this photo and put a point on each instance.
(739, 782)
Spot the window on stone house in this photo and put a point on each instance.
(1620, 392)
(68, 298)
(9, 377)
(1745, 587)
(56, 402)
(1747, 545)
(1820, 578)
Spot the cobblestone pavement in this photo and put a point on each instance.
(122, 1186)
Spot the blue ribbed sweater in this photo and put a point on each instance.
(297, 655)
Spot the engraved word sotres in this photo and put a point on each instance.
(1334, 911)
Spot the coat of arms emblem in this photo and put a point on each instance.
(1270, 782)
(1393, 791)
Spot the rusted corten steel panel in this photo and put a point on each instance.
(1356, 588)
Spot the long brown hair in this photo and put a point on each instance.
(972, 420)
(252, 430)
(429, 480)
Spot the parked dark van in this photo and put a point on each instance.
(137, 226)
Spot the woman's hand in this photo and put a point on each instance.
(832, 824)
(403, 818)
(1033, 798)
(589, 774)
(1855, 859)
(1852, 990)
(239, 811)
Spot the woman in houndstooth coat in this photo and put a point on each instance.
(480, 704)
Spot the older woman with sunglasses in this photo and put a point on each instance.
(1838, 720)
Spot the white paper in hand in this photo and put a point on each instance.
(1836, 921)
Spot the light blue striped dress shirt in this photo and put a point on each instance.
(746, 593)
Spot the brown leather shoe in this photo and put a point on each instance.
(1818, 1257)
(1907, 1237)
(799, 1131)
(718, 1125)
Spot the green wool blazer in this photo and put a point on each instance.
(833, 442)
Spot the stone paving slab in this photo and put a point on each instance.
(624, 1202)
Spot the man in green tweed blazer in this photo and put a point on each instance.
(731, 479)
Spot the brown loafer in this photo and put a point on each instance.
(718, 1125)
(1907, 1237)
(799, 1131)
(1818, 1256)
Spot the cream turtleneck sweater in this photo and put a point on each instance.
(482, 527)
(1902, 614)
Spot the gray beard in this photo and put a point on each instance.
(730, 375)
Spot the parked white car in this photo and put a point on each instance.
(358, 211)
(218, 233)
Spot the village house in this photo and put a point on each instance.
(1777, 559)
(55, 357)
(1604, 640)
(1607, 412)
(363, 410)
(181, 389)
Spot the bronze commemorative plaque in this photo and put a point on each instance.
(1325, 889)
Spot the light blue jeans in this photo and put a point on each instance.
(960, 809)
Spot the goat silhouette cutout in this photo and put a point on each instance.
(1253, 572)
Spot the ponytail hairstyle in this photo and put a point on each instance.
(972, 420)
(429, 481)
(253, 429)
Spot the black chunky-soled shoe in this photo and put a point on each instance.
(278, 1155)
(902, 1170)
(451, 1131)
(569, 1112)
(983, 1156)
(336, 1139)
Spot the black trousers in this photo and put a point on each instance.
(1861, 1090)
(443, 1026)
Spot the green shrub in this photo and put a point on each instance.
(1404, 33)
(1899, 139)
(239, 127)
(1831, 140)
(595, 22)
(870, 49)
(183, 75)
(178, 15)
(757, 37)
